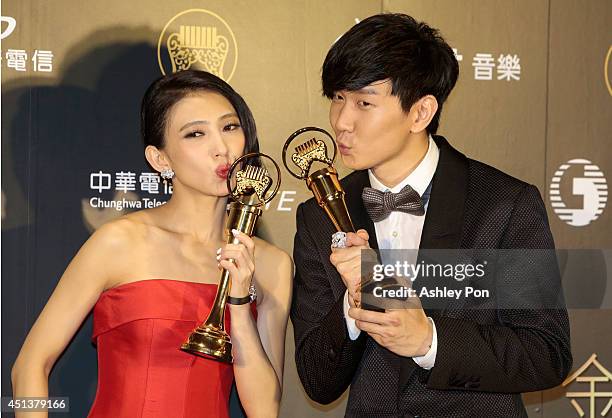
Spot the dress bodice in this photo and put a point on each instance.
(142, 373)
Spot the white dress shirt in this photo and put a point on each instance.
(403, 231)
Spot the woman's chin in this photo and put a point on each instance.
(222, 191)
(217, 190)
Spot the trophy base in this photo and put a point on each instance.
(211, 343)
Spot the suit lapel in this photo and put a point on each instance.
(444, 217)
(443, 222)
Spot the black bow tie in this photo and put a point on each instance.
(380, 204)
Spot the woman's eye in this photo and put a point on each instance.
(364, 103)
(337, 98)
(194, 134)
(231, 127)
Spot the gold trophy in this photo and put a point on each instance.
(324, 185)
(252, 190)
(324, 182)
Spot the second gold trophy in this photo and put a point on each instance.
(324, 182)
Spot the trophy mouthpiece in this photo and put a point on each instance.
(253, 180)
(312, 147)
(305, 154)
(309, 152)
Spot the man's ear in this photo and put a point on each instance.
(157, 158)
(422, 112)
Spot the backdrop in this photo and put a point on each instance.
(534, 98)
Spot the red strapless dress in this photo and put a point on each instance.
(142, 373)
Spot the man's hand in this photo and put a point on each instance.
(348, 263)
(406, 332)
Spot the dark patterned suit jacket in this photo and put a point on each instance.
(485, 358)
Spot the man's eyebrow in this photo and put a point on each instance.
(366, 90)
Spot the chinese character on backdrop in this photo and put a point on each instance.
(458, 56)
(167, 187)
(100, 181)
(43, 61)
(594, 388)
(16, 59)
(483, 66)
(125, 181)
(508, 67)
(149, 182)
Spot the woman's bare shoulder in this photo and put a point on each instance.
(121, 233)
(271, 262)
(270, 252)
(273, 274)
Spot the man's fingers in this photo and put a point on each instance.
(368, 316)
(341, 255)
(363, 234)
(370, 327)
(357, 239)
(354, 300)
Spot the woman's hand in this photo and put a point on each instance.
(241, 270)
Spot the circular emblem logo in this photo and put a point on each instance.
(583, 183)
(198, 39)
(607, 70)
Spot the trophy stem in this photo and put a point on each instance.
(328, 192)
(210, 340)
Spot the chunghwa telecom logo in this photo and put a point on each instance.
(588, 182)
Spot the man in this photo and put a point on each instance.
(388, 78)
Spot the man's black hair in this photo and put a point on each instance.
(395, 46)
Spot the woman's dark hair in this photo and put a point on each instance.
(411, 54)
(166, 91)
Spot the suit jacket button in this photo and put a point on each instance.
(331, 354)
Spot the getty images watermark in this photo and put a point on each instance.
(403, 269)
(485, 279)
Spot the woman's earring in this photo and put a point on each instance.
(167, 174)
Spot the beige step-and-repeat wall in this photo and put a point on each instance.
(534, 98)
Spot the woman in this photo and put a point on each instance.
(151, 276)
